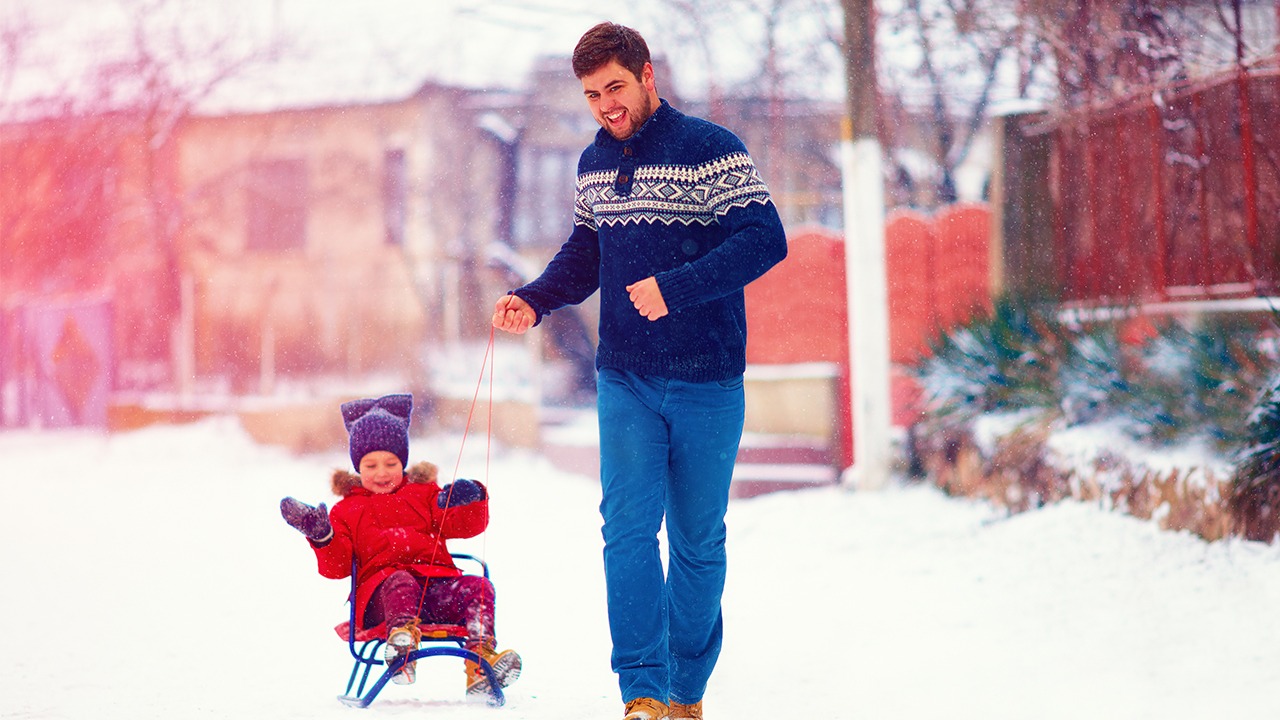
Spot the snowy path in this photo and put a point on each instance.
(167, 547)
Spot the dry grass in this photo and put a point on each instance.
(1018, 477)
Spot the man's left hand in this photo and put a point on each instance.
(647, 298)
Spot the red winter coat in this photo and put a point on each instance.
(400, 530)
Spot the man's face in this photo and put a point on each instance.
(619, 100)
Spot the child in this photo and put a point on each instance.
(396, 523)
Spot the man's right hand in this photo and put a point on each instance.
(513, 315)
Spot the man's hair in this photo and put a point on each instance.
(610, 41)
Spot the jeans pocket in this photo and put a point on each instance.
(732, 383)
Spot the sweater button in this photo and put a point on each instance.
(624, 178)
(627, 151)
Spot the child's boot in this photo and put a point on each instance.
(402, 640)
(692, 711)
(506, 669)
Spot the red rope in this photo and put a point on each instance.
(487, 362)
(471, 413)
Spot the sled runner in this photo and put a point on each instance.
(437, 641)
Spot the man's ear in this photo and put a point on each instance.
(646, 78)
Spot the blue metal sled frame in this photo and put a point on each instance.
(368, 654)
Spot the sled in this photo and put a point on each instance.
(437, 641)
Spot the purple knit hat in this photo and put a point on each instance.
(381, 424)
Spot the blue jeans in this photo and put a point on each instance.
(667, 447)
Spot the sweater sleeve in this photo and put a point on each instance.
(570, 278)
(754, 238)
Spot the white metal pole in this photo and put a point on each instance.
(868, 298)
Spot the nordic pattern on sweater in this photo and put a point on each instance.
(671, 193)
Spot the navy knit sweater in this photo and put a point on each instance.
(679, 200)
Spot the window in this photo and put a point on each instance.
(547, 177)
(277, 205)
(395, 194)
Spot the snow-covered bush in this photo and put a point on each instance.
(1006, 361)
(1095, 381)
(1172, 385)
(1202, 381)
(1211, 385)
(1255, 495)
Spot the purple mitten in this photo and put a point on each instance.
(310, 521)
(461, 492)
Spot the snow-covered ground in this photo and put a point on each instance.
(149, 575)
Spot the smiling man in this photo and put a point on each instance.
(620, 100)
(671, 221)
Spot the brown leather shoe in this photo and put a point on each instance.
(401, 641)
(680, 710)
(646, 709)
(506, 666)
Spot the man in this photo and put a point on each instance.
(671, 221)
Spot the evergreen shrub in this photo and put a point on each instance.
(1215, 380)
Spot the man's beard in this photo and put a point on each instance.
(646, 112)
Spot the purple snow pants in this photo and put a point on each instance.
(465, 600)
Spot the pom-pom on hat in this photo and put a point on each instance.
(378, 424)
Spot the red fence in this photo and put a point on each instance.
(937, 272)
(1172, 195)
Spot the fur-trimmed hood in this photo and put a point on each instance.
(344, 481)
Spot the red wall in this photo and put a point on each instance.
(938, 271)
(796, 312)
(964, 233)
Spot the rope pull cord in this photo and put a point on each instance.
(486, 363)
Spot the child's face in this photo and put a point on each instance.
(381, 472)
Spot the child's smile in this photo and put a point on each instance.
(381, 472)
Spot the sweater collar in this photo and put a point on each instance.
(662, 116)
